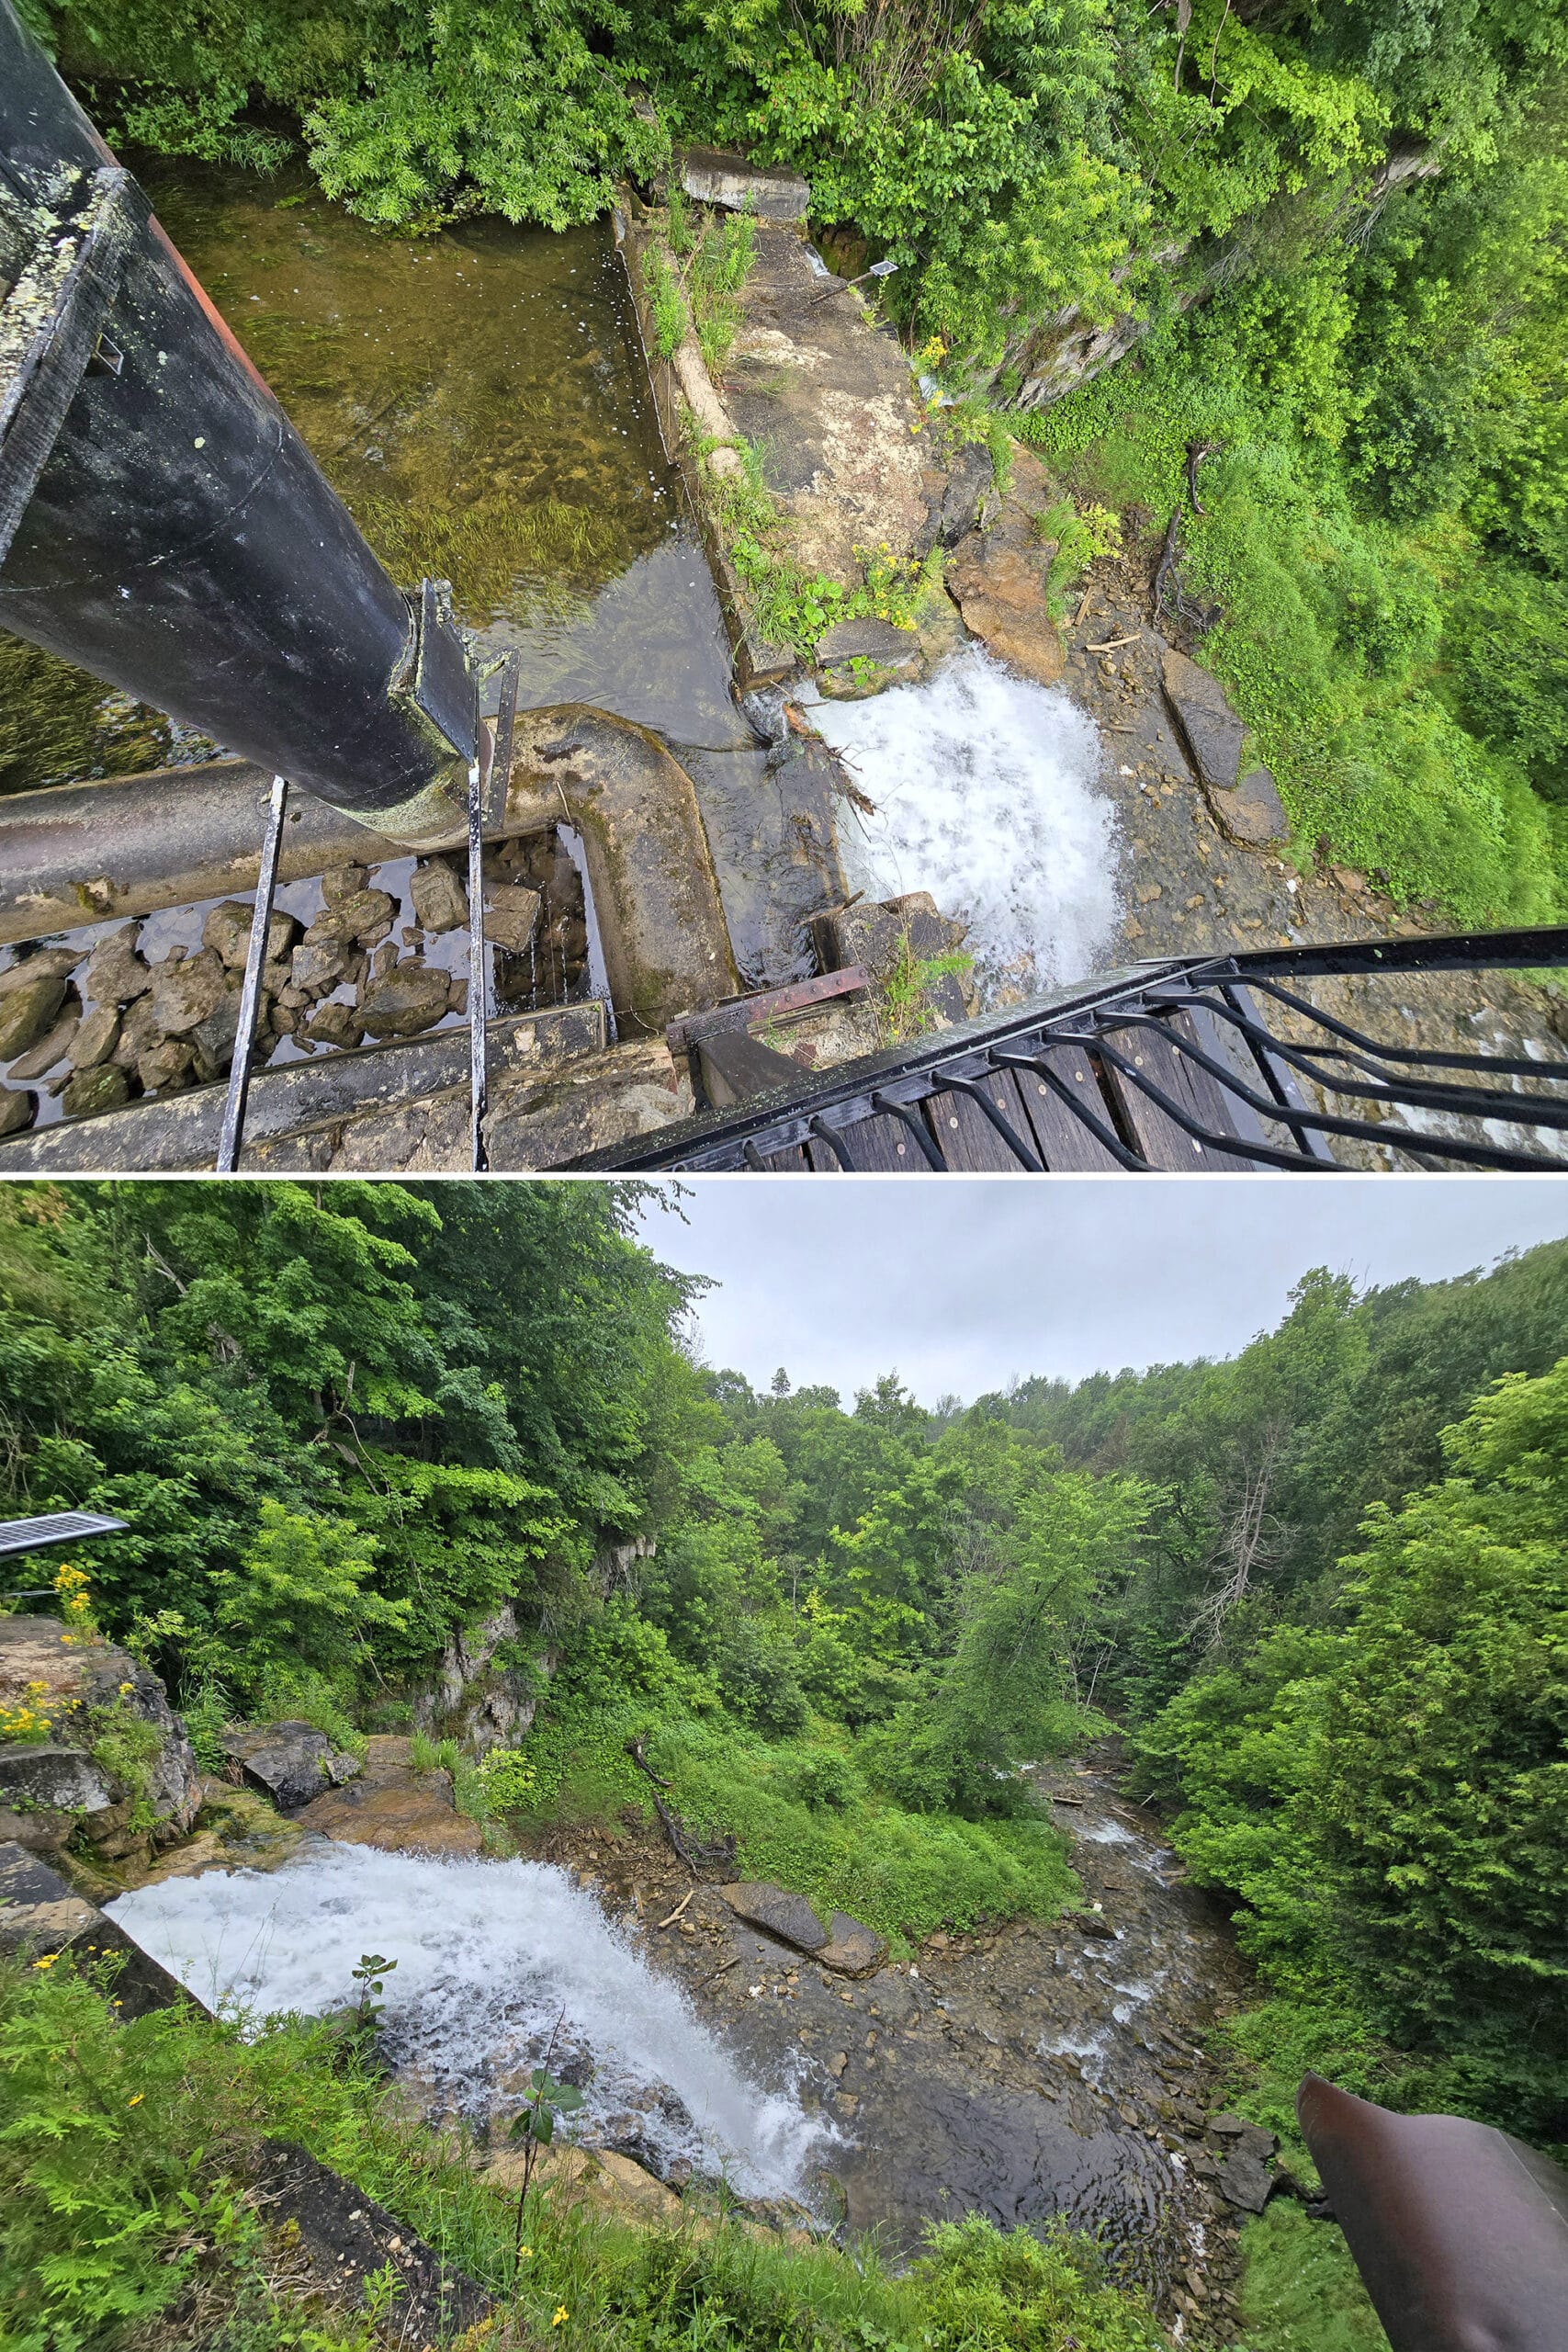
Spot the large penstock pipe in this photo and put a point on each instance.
(1460, 2231)
(163, 525)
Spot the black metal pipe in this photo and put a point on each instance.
(161, 523)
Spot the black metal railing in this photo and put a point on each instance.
(1204, 1062)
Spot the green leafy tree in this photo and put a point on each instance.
(1444, 1790)
(302, 1600)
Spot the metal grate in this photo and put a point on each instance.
(57, 1527)
(1196, 1063)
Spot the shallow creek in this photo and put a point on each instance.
(480, 402)
(1025, 2072)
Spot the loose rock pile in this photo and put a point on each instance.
(95, 1025)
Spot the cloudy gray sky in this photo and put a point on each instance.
(960, 1284)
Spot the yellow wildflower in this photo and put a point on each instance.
(562, 2315)
(526, 2253)
(137, 2100)
(48, 1960)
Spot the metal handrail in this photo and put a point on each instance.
(1232, 992)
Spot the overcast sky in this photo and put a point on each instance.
(958, 1284)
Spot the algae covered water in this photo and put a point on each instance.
(478, 399)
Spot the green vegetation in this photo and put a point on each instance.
(125, 2152)
(1345, 226)
(1322, 1585)
(1302, 2290)
(1381, 553)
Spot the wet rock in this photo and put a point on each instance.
(440, 900)
(40, 1914)
(292, 1763)
(116, 973)
(1253, 813)
(777, 1912)
(997, 580)
(1209, 725)
(510, 914)
(58, 963)
(342, 882)
(184, 993)
(345, 2238)
(852, 1949)
(167, 1069)
(94, 1038)
(868, 641)
(334, 1025)
(969, 479)
(103, 1087)
(365, 916)
(227, 932)
(17, 1109)
(404, 1001)
(1242, 2180)
(1251, 2139)
(48, 1050)
(718, 175)
(392, 1807)
(1095, 1924)
(214, 1037)
(880, 937)
(49, 1779)
(318, 966)
(29, 1008)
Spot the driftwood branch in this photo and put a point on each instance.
(696, 1853)
(1167, 564)
(1196, 453)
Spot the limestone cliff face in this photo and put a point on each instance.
(106, 1758)
(480, 1701)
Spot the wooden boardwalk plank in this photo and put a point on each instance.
(965, 1137)
(1066, 1143)
(1162, 1142)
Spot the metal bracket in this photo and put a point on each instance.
(233, 1129)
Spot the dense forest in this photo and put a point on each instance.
(1319, 1588)
(1343, 226)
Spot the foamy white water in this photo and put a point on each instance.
(489, 1955)
(986, 797)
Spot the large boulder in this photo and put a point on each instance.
(47, 1779)
(843, 1944)
(292, 1763)
(1254, 814)
(341, 2239)
(1210, 727)
(112, 1765)
(392, 1806)
(998, 581)
(41, 1917)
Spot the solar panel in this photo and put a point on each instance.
(56, 1527)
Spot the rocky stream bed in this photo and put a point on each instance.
(1023, 2071)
